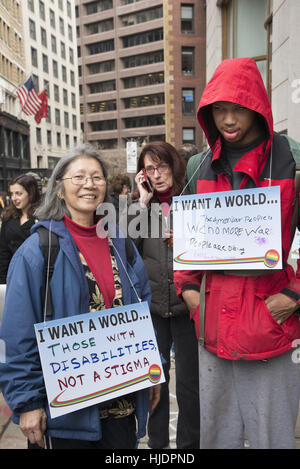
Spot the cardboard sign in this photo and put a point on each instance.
(94, 357)
(228, 230)
(295, 245)
(131, 157)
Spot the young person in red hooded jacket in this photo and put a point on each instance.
(249, 381)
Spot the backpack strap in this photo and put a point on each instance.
(192, 170)
(129, 250)
(48, 238)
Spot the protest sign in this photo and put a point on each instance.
(228, 230)
(295, 245)
(131, 156)
(93, 357)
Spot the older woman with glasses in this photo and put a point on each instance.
(90, 273)
(161, 164)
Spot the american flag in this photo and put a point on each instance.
(29, 99)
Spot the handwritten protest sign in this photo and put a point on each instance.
(295, 245)
(228, 230)
(90, 358)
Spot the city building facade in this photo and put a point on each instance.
(14, 130)
(141, 72)
(267, 31)
(51, 59)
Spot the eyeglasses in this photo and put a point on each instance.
(162, 168)
(80, 180)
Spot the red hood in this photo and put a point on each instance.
(238, 81)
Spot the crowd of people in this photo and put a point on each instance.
(232, 331)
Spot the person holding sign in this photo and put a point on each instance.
(164, 168)
(247, 321)
(91, 273)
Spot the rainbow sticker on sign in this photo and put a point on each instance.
(153, 375)
(270, 260)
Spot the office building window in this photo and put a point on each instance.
(70, 32)
(34, 60)
(110, 124)
(246, 36)
(97, 6)
(30, 4)
(143, 59)
(61, 26)
(102, 86)
(142, 16)
(52, 18)
(144, 121)
(101, 47)
(66, 119)
(188, 135)
(141, 101)
(74, 122)
(187, 19)
(45, 63)
(103, 106)
(43, 37)
(188, 101)
(143, 38)
(53, 44)
(144, 80)
(38, 135)
(56, 93)
(187, 60)
(65, 97)
(64, 73)
(62, 50)
(49, 137)
(58, 139)
(32, 32)
(55, 68)
(101, 67)
(69, 9)
(47, 88)
(57, 116)
(42, 10)
(99, 26)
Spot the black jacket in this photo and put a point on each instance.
(158, 260)
(11, 237)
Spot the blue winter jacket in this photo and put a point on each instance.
(21, 378)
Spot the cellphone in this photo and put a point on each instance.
(146, 183)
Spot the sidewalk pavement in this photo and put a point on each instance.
(11, 436)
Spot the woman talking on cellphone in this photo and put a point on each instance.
(160, 176)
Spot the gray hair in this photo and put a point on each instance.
(52, 206)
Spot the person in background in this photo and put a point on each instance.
(119, 189)
(186, 150)
(17, 218)
(249, 381)
(165, 168)
(91, 273)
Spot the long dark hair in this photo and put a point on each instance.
(29, 183)
(163, 151)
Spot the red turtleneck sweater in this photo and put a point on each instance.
(96, 253)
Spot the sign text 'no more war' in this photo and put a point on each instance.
(233, 229)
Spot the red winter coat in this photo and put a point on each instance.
(238, 325)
